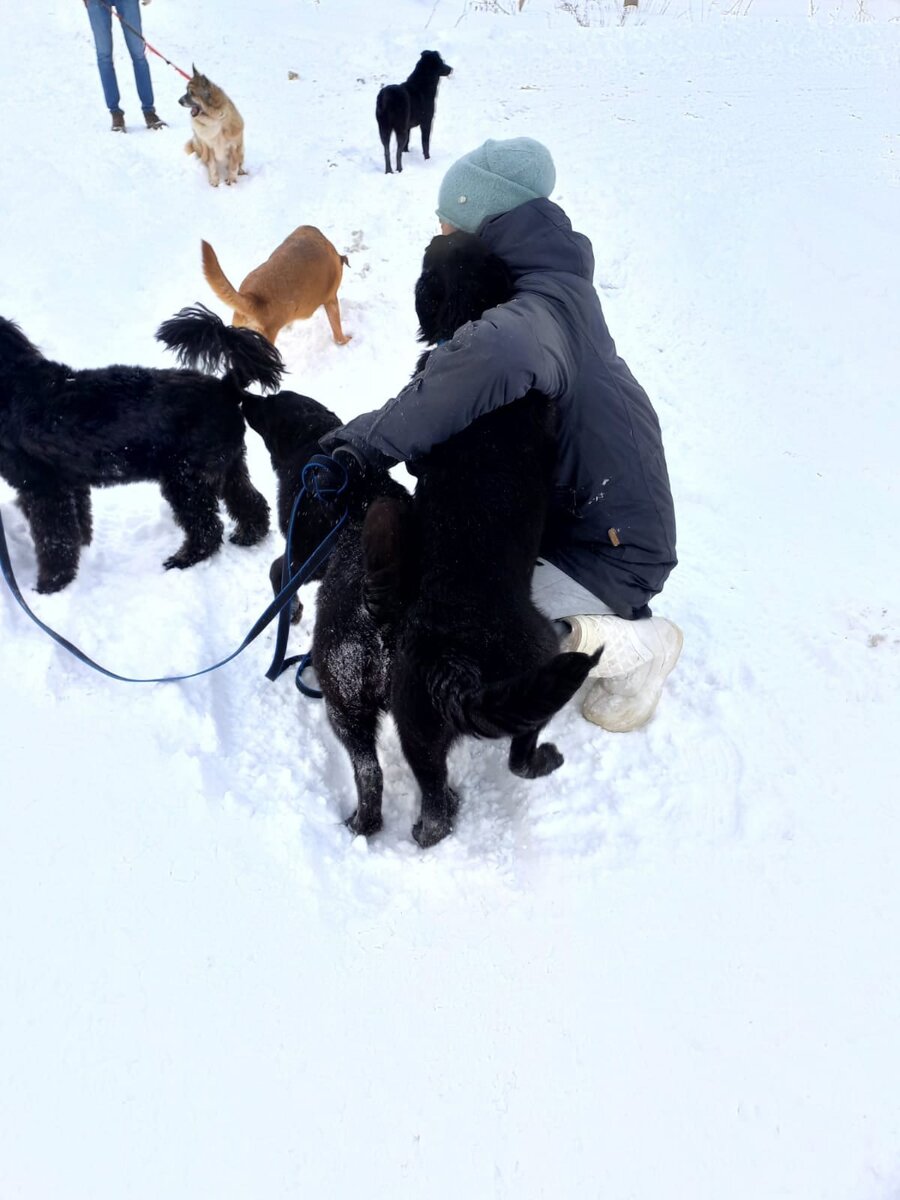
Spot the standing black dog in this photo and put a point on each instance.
(64, 431)
(401, 106)
(291, 425)
(430, 615)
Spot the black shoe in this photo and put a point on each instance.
(118, 121)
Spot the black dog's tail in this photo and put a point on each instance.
(203, 341)
(517, 705)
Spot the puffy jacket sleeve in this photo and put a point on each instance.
(487, 364)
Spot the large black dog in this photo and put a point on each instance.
(401, 106)
(430, 616)
(64, 431)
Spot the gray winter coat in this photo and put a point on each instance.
(612, 524)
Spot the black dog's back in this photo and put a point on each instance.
(399, 107)
(488, 658)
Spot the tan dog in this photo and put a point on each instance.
(218, 127)
(301, 275)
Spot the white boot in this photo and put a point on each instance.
(637, 656)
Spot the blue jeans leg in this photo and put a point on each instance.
(131, 13)
(101, 27)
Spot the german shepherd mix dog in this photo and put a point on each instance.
(64, 431)
(218, 130)
(299, 276)
(401, 106)
(430, 615)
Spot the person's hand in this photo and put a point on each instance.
(334, 478)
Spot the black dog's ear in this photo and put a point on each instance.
(430, 297)
(255, 410)
(477, 283)
(496, 282)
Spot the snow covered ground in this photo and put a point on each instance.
(669, 971)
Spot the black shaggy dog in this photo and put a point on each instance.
(401, 106)
(430, 615)
(64, 431)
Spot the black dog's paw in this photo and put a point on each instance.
(296, 611)
(249, 533)
(49, 582)
(544, 761)
(429, 833)
(429, 830)
(184, 558)
(365, 824)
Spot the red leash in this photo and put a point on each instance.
(116, 13)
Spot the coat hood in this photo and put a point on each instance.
(538, 237)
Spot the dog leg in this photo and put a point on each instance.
(402, 146)
(359, 739)
(275, 580)
(333, 313)
(53, 518)
(194, 504)
(426, 136)
(245, 504)
(529, 760)
(83, 511)
(440, 805)
(425, 744)
(232, 165)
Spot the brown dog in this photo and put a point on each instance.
(218, 128)
(301, 275)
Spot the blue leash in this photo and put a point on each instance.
(280, 604)
(310, 483)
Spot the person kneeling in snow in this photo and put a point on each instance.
(609, 545)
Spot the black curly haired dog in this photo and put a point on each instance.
(64, 431)
(401, 106)
(429, 614)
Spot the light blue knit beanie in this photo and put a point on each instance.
(493, 179)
